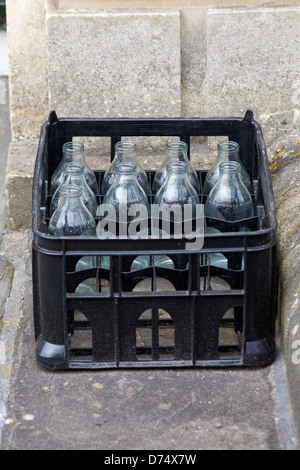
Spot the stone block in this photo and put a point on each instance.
(252, 62)
(27, 60)
(114, 63)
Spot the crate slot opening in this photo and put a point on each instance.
(222, 271)
(155, 335)
(230, 334)
(93, 285)
(80, 337)
(158, 284)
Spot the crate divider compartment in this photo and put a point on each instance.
(215, 306)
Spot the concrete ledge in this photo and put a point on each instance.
(285, 169)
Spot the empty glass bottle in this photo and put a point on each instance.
(126, 192)
(227, 151)
(71, 217)
(125, 151)
(175, 151)
(229, 199)
(177, 200)
(73, 152)
(73, 174)
(177, 188)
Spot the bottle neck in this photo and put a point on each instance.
(73, 171)
(228, 151)
(176, 151)
(125, 171)
(229, 172)
(177, 170)
(125, 152)
(73, 152)
(70, 196)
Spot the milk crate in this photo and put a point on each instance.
(194, 314)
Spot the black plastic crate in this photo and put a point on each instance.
(194, 314)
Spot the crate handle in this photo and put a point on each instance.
(249, 116)
(52, 117)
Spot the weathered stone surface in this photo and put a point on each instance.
(285, 169)
(192, 409)
(15, 276)
(27, 54)
(252, 62)
(5, 138)
(19, 173)
(114, 63)
(6, 277)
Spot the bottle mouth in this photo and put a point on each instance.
(125, 168)
(228, 146)
(73, 168)
(70, 190)
(177, 168)
(125, 146)
(73, 147)
(229, 168)
(176, 145)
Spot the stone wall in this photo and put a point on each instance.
(28, 75)
(285, 170)
(160, 58)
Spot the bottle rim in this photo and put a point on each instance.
(175, 145)
(70, 190)
(73, 147)
(73, 167)
(228, 146)
(125, 168)
(125, 146)
(229, 167)
(177, 167)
